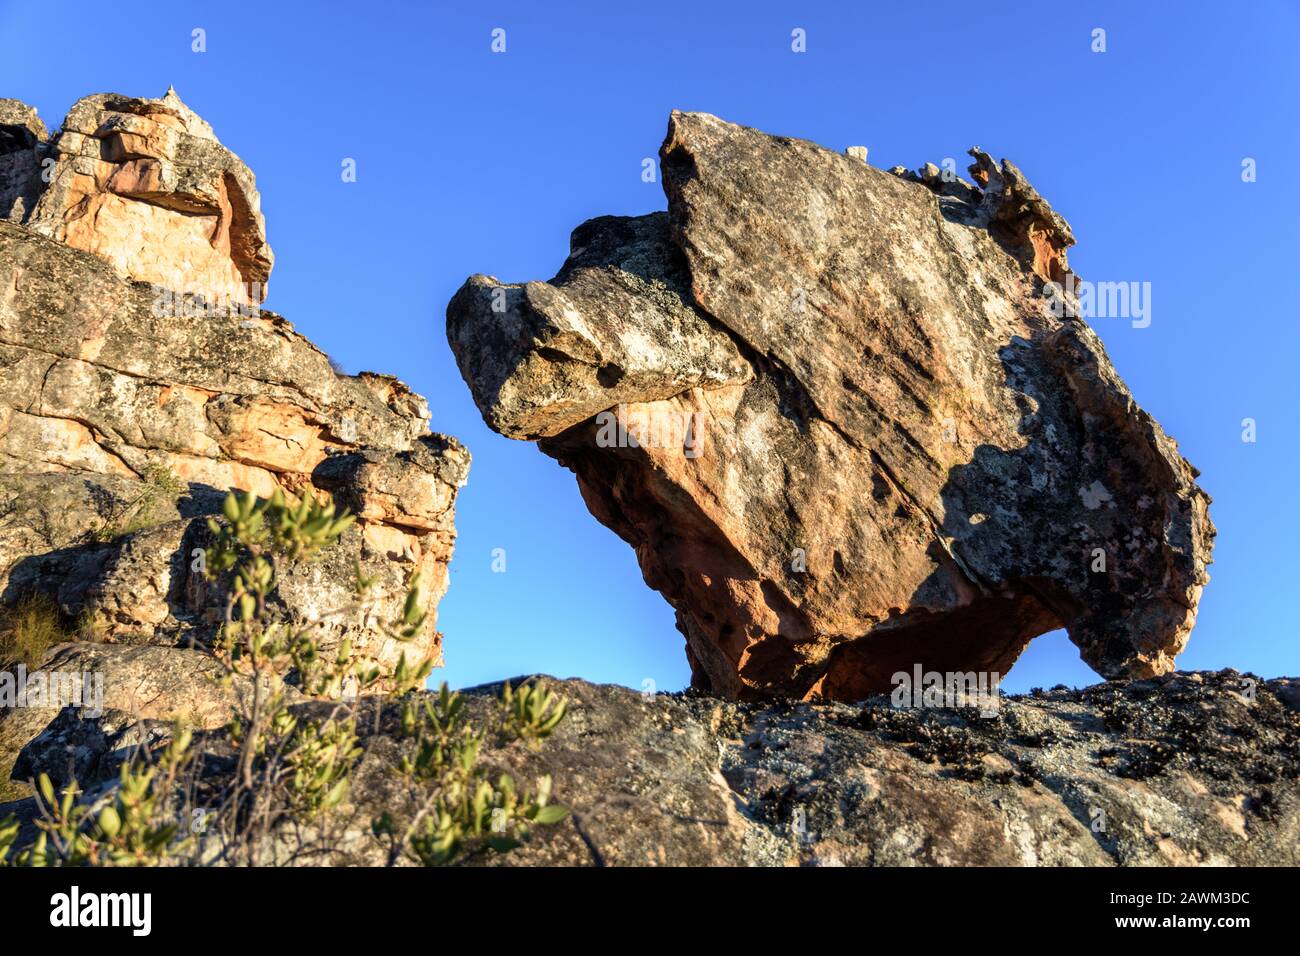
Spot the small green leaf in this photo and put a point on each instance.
(552, 813)
(47, 789)
(110, 822)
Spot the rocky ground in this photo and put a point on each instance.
(1186, 769)
(1177, 770)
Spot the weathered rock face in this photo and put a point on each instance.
(145, 185)
(106, 384)
(128, 691)
(22, 146)
(1182, 770)
(848, 434)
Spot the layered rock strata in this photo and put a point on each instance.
(137, 387)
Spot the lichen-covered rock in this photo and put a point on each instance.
(96, 700)
(541, 364)
(833, 412)
(1186, 769)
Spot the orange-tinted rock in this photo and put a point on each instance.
(105, 381)
(145, 185)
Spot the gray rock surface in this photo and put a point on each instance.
(1179, 770)
(1187, 769)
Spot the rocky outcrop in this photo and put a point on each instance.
(1188, 769)
(145, 185)
(132, 694)
(134, 393)
(841, 423)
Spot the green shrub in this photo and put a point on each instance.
(459, 809)
(292, 768)
(531, 713)
(132, 829)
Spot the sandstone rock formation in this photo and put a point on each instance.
(834, 413)
(1183, 770)
(145, 185)
(127, 410)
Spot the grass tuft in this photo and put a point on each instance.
(29, 628)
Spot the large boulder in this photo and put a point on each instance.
(845, 422)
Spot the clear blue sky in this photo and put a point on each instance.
(470, 161)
